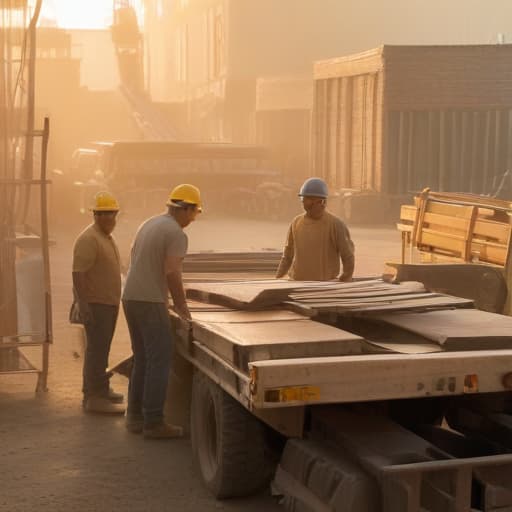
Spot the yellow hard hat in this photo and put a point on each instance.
(184, 195)
(105, 202)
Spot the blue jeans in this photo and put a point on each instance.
(150, 332)
(99, 335)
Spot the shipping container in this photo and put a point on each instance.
(396, 119)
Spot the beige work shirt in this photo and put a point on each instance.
(96, 255)
(314, 247)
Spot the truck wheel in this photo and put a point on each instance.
(228, 443)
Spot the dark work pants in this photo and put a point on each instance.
(150, 332)
(99, 335)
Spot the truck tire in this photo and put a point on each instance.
(228, 443)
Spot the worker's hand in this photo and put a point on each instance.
(85, 313)
(345, 279)
(183, 313)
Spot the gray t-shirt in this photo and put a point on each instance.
(156, 238)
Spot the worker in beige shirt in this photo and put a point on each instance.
(317, 240)
(97, 292)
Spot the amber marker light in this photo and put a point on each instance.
(471, 383)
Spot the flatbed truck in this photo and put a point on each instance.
(403, 422)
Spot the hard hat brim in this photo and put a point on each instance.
(312, 195)
(183, 205)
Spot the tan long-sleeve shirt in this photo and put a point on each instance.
(314, 247)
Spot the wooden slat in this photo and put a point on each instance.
(489, 254)
(466, 199)
(445, 241)
(453, 223)
(404, 227)
(455, 210)
(491, 229)
(408, 212)
(469, 234)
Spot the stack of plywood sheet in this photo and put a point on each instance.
(331, 296)
(245, 321)
(240, 337)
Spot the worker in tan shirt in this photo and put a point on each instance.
(317, 240)
(97, 292)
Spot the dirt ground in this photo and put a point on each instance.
(53, 457)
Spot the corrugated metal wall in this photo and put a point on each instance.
(438, 117)
(347, 131)
(447, 150)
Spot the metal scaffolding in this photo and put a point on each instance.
(25, 297)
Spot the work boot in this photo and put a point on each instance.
(115, 398)
(134, 423)
(98, 404)
(162, 431)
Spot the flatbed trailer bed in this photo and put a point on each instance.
(306, 362)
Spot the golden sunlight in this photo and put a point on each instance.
(83, 14)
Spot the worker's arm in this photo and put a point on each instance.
(84, 257)
(79, 287)
(346, 251)
(287, 258)
(173, 269)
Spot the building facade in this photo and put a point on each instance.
(207, 55)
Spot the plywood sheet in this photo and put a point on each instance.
(265, 292)
(406, 348)
(240, 343)
(461, 329)
(371, 295)
(245, 317)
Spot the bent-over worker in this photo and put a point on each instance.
(155, 270)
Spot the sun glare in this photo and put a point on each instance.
(89, 14)
(82, 14)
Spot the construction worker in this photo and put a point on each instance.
(155, 270)
(317, 240)
(97, 292)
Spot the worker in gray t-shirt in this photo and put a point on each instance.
(155, 270)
